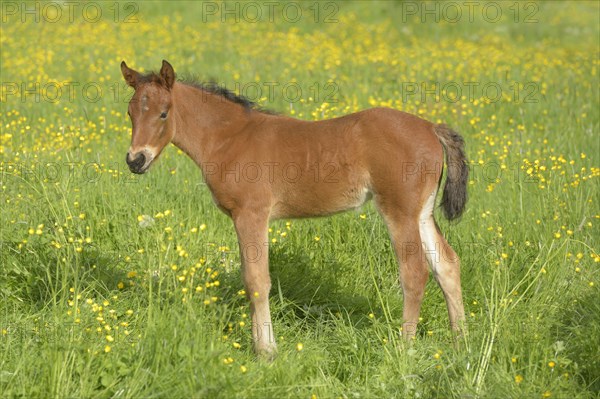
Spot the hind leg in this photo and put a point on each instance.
(444, 264)
(404, 232)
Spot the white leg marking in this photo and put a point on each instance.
(428, 233)
(442, 268)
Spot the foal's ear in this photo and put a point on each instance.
(131, 76)
(168, 74)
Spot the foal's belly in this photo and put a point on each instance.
(319, 201)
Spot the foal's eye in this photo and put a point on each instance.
(163, 115)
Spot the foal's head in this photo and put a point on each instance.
(151, 119)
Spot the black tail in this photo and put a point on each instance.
(454, 198)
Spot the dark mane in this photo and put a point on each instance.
(214, 88)
(210, 87)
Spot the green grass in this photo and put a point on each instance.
(101, 303)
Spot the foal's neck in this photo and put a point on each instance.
(202, 120)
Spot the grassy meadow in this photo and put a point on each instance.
(114, 285)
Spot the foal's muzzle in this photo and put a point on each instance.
(137, 164)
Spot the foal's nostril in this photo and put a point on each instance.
(137, 163)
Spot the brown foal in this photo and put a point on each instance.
(260, 166)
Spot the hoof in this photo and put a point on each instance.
(267, 353)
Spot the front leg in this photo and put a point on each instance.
(252, 232)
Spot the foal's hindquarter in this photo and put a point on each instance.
(279, 167)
